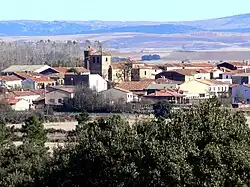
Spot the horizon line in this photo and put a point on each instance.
(95, 20)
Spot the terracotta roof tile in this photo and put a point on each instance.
(165, 93)
(13, 101)
(28, 75)
(64, 70)
(189, 71)
(190, 64)
(9, 78)
(23, 93)
(237, 64)
(135, 85)
(42, 79)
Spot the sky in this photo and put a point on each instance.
(121, 10)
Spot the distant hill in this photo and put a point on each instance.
(231, 23)
(235, 24)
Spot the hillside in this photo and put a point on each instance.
(238, 24)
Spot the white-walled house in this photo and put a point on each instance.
(28, 96)
(241, 94)
(97, 82)
(117, 94)
(10, 82)
(202, 89)
(57, 95)
(19, 104)
(93, 81)
(216, 73)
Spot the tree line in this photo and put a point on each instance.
(207, 145)
(40, 52)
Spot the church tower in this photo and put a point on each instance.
(96, 60)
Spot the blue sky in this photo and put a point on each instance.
(121, 10)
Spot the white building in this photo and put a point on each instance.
(241, 94)
(28, 96)
(19, 104)
(10, 82)
(97, 83)
(93, 81)
(117, 94)
(202, 89)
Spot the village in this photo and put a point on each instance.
(29, 87)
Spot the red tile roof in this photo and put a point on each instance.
(28, 75)
(233, 72)
(189, 64)
(9, 78)
(189, 71)
(42, 79)
(65, 70)
(165, 93)
(237, 64)
(13, 101)
(135, 85)
(23, 93)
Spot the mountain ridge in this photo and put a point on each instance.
(237, 23)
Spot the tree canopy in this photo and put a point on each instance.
(204, 146)
(207, 145)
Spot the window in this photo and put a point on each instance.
(227, 77)
(97, 59)
(106, 59)
(218, 88)
(202, 95)
(93, 59)
(145, 73)
(214, 88)
(52, 100)
(60, 101)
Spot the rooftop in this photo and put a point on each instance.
(164, 80)
(41, 79)
(241, 74)
(123, 90)
(159, 86)
(9, 78)
(165, 93)
(28, 74)
(135, 85)
(189, 71)
(212, 82)
(69, 89)
(13, 101)
(65, 70)
(189, 64)
(23, 93)
(23, 68)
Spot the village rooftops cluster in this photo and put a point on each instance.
(182, 82)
